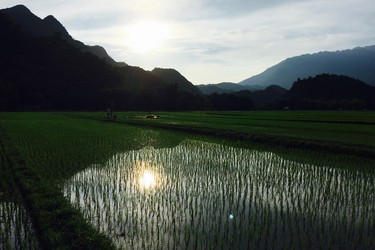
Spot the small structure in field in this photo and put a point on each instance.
(152, 116)
(111, 115)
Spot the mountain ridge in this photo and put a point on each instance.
(357, 63)
(50, 73)
(172, 76)
(55, 72)
(50, 26)
(220, 88)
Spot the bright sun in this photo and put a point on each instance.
(147, 36)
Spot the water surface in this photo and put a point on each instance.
(202, 195)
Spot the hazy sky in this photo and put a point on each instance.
(211, 41)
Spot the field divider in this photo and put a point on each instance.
(58, 225)
(274, 140)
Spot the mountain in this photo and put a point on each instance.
(229, 102)
(40, 70)
(172, 76)
(269, 95)
(328, 86)
(358, 63)
(208, 89)
(220, 88)
(34, 26)
(328, 91)
(262, 98)
(43, 68)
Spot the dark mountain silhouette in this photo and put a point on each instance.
(47, 72)
(229, 102)
(33, 25)
(271, 94)
(43, 68)
(50, 27)
(262, 98)
(328, 86)
(322, 92)
(172, 76)
(358, 63)
(100, 52)
(208, 89)
(328, 91)
(219, 88)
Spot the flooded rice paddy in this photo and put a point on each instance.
(201, 195)
(16, 231)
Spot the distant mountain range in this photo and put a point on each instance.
(43, 68)
(222, 88)
(262, 98)
(358, 63)
(172, 76)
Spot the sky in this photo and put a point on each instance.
(212, 41)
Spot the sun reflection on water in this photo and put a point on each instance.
(147, 179)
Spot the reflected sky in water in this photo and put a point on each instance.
(205, 195)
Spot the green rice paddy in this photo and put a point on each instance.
(339, 127)
(143, 188)
(16, 230)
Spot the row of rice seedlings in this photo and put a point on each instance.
(15, 227)
(203, 195)
(57, 146)
(16, 230)
(59, 226)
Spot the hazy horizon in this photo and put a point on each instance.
(211, 41)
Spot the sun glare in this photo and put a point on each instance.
(147, 36)
(147, 180)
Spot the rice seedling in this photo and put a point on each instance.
(194, 195)
(207, 195)
(16, 230)
(331, 127)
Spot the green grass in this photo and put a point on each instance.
(57, 224)
(16, 231)
(343, 127)
(57, 146)
(333, 132)
(306, 136)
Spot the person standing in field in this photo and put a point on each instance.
(109, 113)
